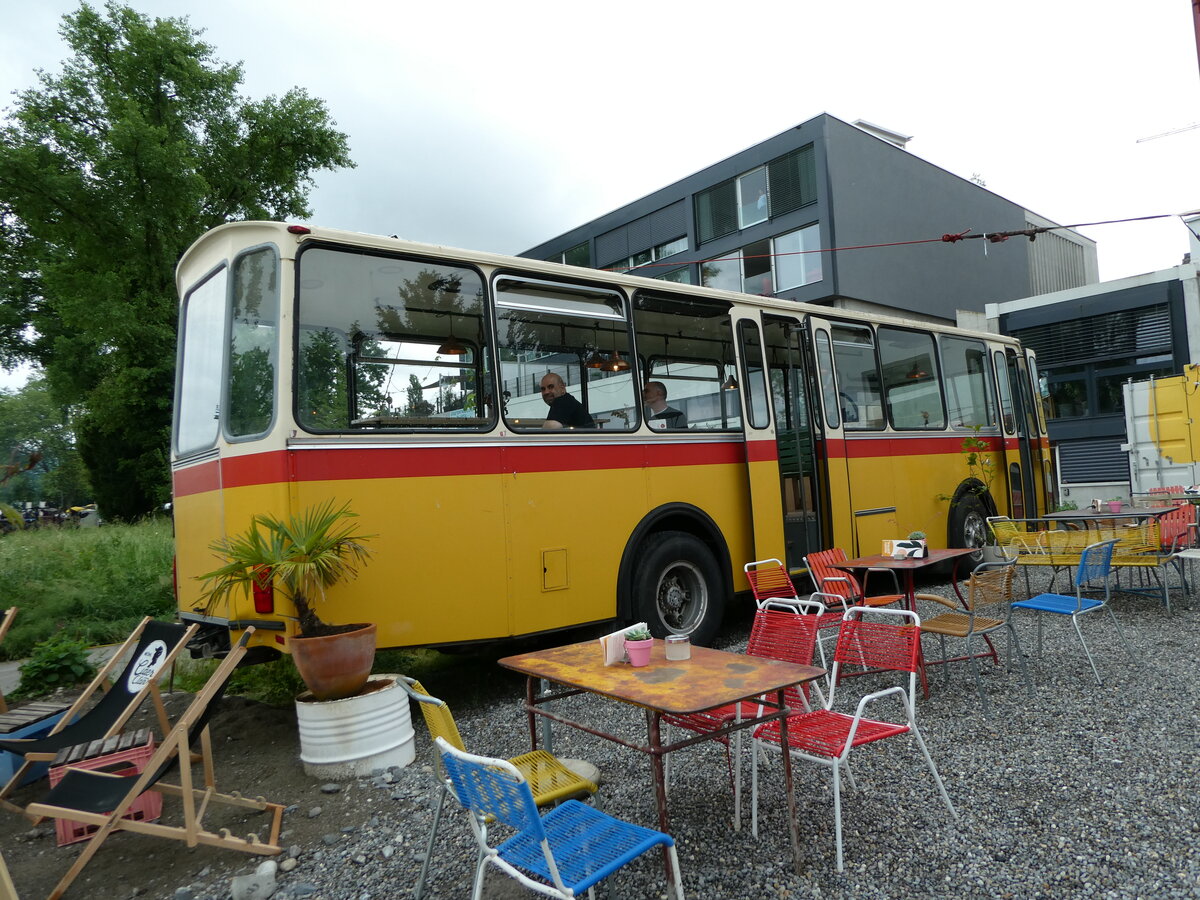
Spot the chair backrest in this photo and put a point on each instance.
(438, 718)
(492, 789)
(889, 640)
(1094, 562)
(1173, 527)
(990, 586)
(769, 580)
(829, 580)
(788, 637)
(1004, 529)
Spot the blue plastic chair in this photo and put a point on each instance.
(570, 849)
(1095, 563)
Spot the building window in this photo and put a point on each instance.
(752, 198)
(716, 212)
(798, 258)
(793, 180)
(679, 276)
(579, 255)
(747, 270)
(784, 184)
(645, 257)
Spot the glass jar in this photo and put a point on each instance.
(678, 646)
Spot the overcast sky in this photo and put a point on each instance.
(496, 126)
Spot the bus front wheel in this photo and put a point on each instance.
(677, 587)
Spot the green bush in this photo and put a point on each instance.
(60, 661)
(99, 581)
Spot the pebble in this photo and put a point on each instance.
(331, 788)
(1045, 808)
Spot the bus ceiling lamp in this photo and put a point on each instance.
(452, 346)
(616, 362)
(730, 383)
(595, 360)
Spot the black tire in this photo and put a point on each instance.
(968, 528)
(677, 587)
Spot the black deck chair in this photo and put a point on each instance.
(101, 799)
(147, 653)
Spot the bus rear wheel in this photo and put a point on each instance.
(677, 587)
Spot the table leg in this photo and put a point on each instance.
(910, 599)
(789, 788)
(654, 732)
(529, 698)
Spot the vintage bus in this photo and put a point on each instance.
(405, 380)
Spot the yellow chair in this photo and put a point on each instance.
(549, 780)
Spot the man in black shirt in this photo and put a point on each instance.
(565, 410)
(654, 395)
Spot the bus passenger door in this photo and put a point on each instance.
(831, 459)
(1022, 461)
(796, 431)
(762, 462)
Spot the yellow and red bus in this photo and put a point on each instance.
(406, 380)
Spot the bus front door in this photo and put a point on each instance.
(800, 484)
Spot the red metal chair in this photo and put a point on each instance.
(830, 580)
(890, 641)
(773, 586)
(776, 634)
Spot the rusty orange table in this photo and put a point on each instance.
(709, 679)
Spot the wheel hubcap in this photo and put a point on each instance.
(682, 597)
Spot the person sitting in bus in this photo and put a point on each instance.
(654, 395)
(565, 410)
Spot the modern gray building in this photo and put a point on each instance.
(836, 214)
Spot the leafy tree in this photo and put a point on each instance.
(37, 437)
(108, 170)
(417, 405)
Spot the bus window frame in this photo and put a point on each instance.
(603, 295)
(885, 390)
(857, 425)
(221, 268)
(301, 326)
(990, 396)
(227, 378)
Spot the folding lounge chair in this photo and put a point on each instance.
(99, 798)
(151, 648)
(5, 624)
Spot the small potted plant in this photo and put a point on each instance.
(638, 644)
(1114, 504)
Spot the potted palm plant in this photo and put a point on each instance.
(302, 556)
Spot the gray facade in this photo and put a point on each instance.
(832, 185)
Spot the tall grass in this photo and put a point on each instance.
(92, 583)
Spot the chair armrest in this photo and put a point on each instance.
(869, 699)
(936, 598)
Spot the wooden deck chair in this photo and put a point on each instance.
(102, 799)
(5, 624)
(7, 891)
(147, 652)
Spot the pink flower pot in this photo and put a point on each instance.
(1114, 506)
(638, 651)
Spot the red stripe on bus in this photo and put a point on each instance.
(347, 463)
(762, 451)
(198, 479)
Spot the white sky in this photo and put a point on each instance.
(496, 126)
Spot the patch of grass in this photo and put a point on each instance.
(96, 583)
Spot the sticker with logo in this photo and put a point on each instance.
(146, 666)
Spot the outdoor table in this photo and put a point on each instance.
(709, 679)
(1090, 516)
(908, 567)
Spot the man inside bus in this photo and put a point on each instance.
(565, 410)
(660, 415)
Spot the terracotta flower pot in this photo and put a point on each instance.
(335, 666)
(638, 651)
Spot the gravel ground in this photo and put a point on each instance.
(1073, 791)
